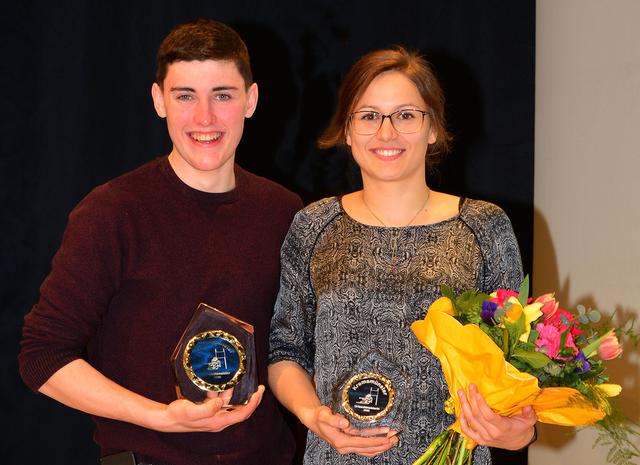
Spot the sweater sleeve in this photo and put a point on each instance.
(74, 296)
(502, 265)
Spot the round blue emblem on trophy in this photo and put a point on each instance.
(214, 360)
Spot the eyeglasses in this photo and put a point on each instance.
(367, 122)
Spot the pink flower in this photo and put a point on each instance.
(501, 295)
(609, 348)
(549, 305)
(548, 340)
(569, 344)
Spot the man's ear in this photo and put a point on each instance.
(158, 100)
(252, 100)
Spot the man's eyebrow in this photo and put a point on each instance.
(219, 88)
(191, 89)
(182, 89)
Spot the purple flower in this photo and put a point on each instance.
(582, 365)
(488, 309)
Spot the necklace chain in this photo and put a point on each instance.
(394, 241)
(422, 207)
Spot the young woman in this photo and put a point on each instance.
(357, 270)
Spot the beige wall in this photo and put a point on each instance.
(587, 201)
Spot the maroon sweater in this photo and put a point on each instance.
(138, 256)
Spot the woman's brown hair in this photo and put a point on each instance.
(370, 66)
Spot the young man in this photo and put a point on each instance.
(142, 251)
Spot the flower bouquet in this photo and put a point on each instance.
(520, 352)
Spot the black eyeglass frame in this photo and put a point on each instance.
(383, 116)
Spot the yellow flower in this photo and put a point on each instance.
(514, 313)
(609, 390)
(531, 312)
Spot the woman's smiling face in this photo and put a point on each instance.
(389, 155)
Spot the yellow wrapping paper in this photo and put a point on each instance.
(468, 355)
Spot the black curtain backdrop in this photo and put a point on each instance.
(77, 112)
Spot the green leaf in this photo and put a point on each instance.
(523, 294)
(553, 369)
(447, 292)
(534, 359)
(563, 339)
(594, 315)
(505, 342)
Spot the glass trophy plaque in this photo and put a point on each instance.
(373, 394)
(215, 353)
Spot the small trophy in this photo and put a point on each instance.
(374, 394)
(215, 353)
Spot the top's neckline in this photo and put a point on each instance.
(461, 205)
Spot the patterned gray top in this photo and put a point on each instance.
(348, 289)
